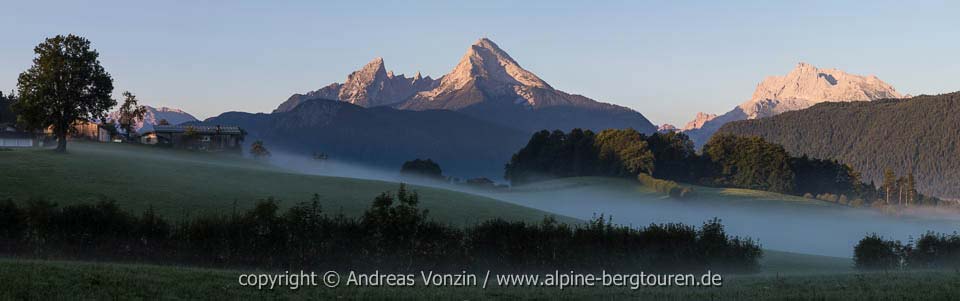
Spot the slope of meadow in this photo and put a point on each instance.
(177, 183)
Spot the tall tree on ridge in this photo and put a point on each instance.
(889, 179)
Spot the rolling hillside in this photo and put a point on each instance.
(179, 183)
(919, 135)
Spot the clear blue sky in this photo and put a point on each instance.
(667, 60)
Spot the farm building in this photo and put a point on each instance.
(200, 137)
(92, 131)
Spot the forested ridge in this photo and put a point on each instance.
(662, 160)
(920, 135)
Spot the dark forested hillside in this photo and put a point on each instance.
(920, 135)
(383, 137)
(6, 113)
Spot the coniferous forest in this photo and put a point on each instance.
(918, 136)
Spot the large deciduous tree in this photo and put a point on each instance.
(66, 84)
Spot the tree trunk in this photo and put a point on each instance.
(61, 141)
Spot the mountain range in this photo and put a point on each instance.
(804, 86)
(486, 84)
(919, 135)
(383, 136)
(153, 116)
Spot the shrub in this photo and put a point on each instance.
(875, 253)
(935, 251)
(671, 188)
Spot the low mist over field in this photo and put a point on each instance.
(779, 222)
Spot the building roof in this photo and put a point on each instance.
(200, 129)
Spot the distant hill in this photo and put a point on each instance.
(801, 88)
(919, 135)
(486, 84)
(383, 136)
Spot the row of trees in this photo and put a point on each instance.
(393, 234)
(752, 162)
(726, 161)
(930, 250)
(902, 190)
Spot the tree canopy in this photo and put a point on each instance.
(617, 153)
(750, 162)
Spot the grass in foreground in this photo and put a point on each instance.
(54, 280)
(179, 183)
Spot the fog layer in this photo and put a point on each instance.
(779, 223)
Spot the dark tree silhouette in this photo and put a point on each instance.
(65, 85)
(422, 168)
(130, 113)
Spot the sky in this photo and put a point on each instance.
(665, 59)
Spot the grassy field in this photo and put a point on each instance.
(45, 280)
(179, 183)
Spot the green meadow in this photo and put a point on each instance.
(179, 183)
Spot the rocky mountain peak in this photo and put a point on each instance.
(486, 83)
(484, 59)
(804, 86)
(666, 128)
(807, 85)
(370, 72)
(370, 86)
(699, 120)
